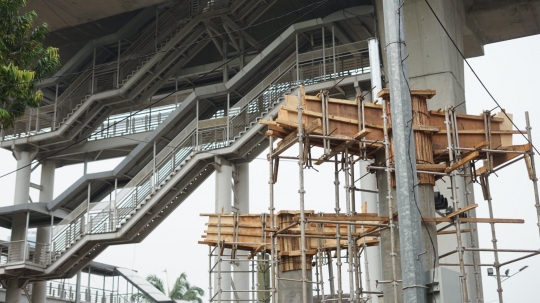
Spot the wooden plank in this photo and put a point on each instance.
(466, 159)
(451, 232)
(319, 115)
(429, 93)
(332, 100)
(431, 167)
(276, 134)
(481, 145)
(500, 159)
(460, 211)
(292, 138)
(475, 220)
(267, 122)
(253, 253)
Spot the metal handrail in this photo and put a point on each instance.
(191, 139)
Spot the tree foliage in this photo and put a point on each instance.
(182, 289)
(23, 60)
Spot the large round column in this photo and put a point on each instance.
(39, 289)
(18, 227)
(241, 203)
(223, 206)
(372, 254)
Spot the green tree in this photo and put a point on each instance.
(23, 60)
(181, 289)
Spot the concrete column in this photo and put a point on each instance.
(434, 63)
(18, 228)
(290, 291)
(241, 204)
(223, 206)
(373, 253)
(39, 290)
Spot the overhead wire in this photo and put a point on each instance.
(477, 77)
(176, 90)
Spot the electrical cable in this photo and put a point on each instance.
(478, 78)
(132, 58)
(178, 89)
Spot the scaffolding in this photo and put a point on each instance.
(449, 145)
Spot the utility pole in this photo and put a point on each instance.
(410, 230)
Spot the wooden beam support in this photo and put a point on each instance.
(463, 210)
(466, 159)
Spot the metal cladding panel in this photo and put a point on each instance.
(144, 286)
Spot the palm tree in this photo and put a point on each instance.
(181, 289)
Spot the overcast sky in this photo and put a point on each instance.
(510, 70)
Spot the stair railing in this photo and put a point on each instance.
(171, 158)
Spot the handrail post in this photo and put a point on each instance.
(323, 55)
(297, 63)
(227, 113)
(26, 236)
(118, 66)
(154, 171)
(93, 72)
(197, 128)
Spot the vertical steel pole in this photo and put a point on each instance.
(154, 168)
(175, 92)
(297, 63)
(390, 201)
(532, 173)
(323, 54)
(227, 115)
(197, 126)
(302, 192)
(411, 245)
(338, 232)
(334, 51)
(118, 66)
(271, 208)
(93, 72)
(350, 241)
(156, 35)
(464, 292)
(25, 249)
(88, 226)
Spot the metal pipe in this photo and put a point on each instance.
(350, 242)
(93, 71)
(389, 200)
(271, 208)
(302, 192)
(228, 121)
(338, 234)
(118, 66)
(55, 106)
(331, 274)
(449, 132)
(347, 223)
(334, 51)
(323, 54)
(297, 63)
(375, 66)
(533, 177)
(494, 240)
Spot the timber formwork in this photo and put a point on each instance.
(448, 145)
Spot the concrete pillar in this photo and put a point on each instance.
(241, 204)
(373, 253)
(291, 292)
(223, 206)
(39, 290)
(18, 228)
(434, 63)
